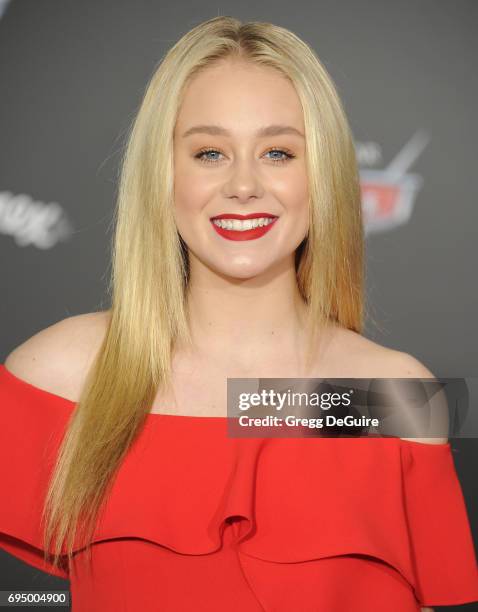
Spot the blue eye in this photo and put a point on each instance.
(204, 159)
(201, 156)
(283, 159)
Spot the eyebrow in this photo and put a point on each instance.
(217, 130)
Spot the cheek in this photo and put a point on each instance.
(296, 199)
(295, 195)
(193, 187)
(191, 193)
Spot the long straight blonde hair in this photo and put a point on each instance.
(150, 269)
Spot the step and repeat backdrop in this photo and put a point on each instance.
(72, 76)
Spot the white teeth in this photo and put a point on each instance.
(241, 226)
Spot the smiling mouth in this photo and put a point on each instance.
(242, 225)
(249, 228)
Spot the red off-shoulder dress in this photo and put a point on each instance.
(197, 520)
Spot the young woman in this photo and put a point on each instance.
(115, 422)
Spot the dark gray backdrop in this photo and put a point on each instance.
(72, 75)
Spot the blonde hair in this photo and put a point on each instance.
(150, 267)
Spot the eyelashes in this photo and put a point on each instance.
(288, 155)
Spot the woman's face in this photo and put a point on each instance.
(225, 166)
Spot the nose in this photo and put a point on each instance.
(243, 182)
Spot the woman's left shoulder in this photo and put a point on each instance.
(374, 360)
(404, 365)
(369, 359)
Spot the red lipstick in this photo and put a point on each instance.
(250, 234)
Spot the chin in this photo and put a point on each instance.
(241, 272)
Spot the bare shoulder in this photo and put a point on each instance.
(368, 359)
(364, 358)
(405, 365)
(58, 357)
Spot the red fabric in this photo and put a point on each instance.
(199, 521)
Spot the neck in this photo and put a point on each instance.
(247, 322)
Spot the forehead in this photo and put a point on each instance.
(240, 96)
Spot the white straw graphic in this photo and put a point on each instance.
(399, 166)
